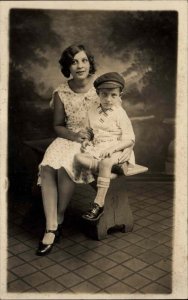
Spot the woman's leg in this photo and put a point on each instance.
(66, 187)
(49, 198)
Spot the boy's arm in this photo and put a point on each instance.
(128, 136)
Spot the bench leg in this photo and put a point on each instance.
(117, 212)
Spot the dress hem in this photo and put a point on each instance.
(68, 173)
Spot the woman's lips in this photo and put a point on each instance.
(80, 72)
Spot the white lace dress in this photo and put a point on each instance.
(61, 151)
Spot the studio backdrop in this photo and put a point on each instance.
(141, 45)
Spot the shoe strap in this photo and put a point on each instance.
(52, 231)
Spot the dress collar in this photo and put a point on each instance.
(70, 91)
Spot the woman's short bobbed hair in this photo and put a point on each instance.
(68, 55)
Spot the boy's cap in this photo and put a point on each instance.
(109, 81)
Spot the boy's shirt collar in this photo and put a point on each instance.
(102, 110)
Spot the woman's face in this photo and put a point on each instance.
(80, 66)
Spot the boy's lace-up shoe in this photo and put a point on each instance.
(94, 214)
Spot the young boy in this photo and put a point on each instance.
(112, 132)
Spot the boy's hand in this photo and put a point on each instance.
(84, 145)
(107, 152)
(125, 156)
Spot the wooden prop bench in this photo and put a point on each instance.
(117, 211)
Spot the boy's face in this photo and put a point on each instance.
(109, 97)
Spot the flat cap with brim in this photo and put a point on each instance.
(109, 81)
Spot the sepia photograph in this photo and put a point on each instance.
(93, 149)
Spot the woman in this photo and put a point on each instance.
(70, 101)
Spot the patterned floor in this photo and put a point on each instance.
(136, 262)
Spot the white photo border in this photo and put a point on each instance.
(180, 220)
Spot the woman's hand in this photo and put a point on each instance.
(81, 135)
(84, 134)
(126, 154)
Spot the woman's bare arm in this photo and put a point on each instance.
(59, 123)
(59, 120)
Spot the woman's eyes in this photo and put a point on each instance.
(84, 60)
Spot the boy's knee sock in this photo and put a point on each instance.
(102, 185)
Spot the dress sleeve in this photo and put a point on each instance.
(58, 90)
(126, 126)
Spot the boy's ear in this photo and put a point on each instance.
(120, 92)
